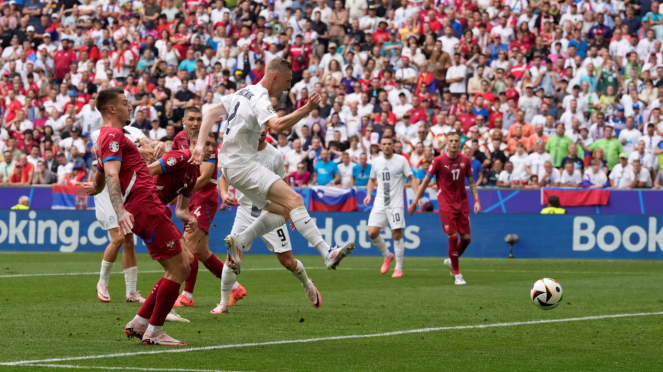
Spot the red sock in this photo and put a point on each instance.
(463, 246)
(453, 254)
(166, 297)
(147, 307)
(214, 265)
(190, 281)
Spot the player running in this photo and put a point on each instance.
(131, 191)
(388, 208)
(108, 221)
(250, 110)
(277, 241)
(450, 170)
(204, 204)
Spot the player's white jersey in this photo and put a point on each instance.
(103, 207)
(248, 110)
(390, 174)
(271, 159)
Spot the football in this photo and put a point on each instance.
(546, 293)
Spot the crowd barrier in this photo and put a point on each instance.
(541, 236)
(493, 201)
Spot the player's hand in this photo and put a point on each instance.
(313, 101)
(477, 208)
(90, 189)
(159, 150)
(125, 222)
(411, 209)
(197, 154)
(292, 225)
(367, 200)
(421, 205)
(191, 225)
(228, 200)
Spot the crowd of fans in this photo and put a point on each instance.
(544, 93)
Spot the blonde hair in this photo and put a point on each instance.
(278, 64)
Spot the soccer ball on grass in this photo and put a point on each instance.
(546, 293)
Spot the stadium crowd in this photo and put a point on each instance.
(544, 93)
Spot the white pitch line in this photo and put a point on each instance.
(356, 269)
(334, 338)
(123, 368)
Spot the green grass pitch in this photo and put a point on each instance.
(45, 317)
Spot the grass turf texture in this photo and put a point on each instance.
(45, 317)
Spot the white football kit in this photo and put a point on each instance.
(103, 208)
(278, 240)
(388, 207)
(248, 110)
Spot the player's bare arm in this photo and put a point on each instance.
(475, 193)
(284, 123)
(225, 196)
(369, 191)
(206, 171)
(182, 213)
(97, 184)
(414, 183)
(125, 220)
(212, 115)
(155, 168)
(420, 191)
(158, 147)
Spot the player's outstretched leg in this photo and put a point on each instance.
(465, 240)
(379, 243)
(399, 250)
(453, 258)
(228, 281)
(297, 269)
(186, 298)
(128, 263)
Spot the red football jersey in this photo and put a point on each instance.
(178, 177)
(450, 177)
(136, 184)
(208, 193)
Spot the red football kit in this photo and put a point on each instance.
(151, 217)
(178, 177)
(205, 202)
(450, 176)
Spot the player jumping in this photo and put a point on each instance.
(204, 204)
(249, 111)
(389, 172)
(450, 170)
(108, 221)
(138, 209)
(277, 241)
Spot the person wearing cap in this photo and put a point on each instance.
(369, 22)
(332, 54)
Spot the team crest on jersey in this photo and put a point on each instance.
(171, 161)
(462, 165)
(271, 110)
(170, 245)
(114, 146)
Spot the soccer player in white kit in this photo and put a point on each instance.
(277, 241)
(389, 172)
(108, 220)
(249, 111)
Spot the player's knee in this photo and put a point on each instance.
(373, 234)
(295, 201)
(453, 236)
(397, 234)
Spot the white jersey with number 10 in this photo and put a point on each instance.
(248, 110)
(390, 174)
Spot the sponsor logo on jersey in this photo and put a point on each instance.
(114, 146)
(171, 161)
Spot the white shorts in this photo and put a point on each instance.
(103, 209)
(253, 181)
(380, 216)
(277, 241)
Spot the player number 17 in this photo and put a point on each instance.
(455, 173)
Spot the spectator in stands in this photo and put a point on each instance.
(506, 178)
(361, 172)
(19, 176)
(64, 169)
(23, 203)
(549, 176)
(326, 171)
(300, 177)
(572, 157)
(346, 169)
(157, 133)
(7, 166)
(477, 168)
(610, 145)
(594, 178)
(558, 146)
(553, 206)
(571, 177)
(492, 176)
(636, 177)
(49, 161)
(42, 176)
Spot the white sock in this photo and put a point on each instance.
(399, 252)
(309, 230)
(228, 279)
(187, 295)
(106, 270)
(300, 273)
(262, 225)
(381, 246)
(141, 320)
(130, 279)
(235, 285)
(154, 328)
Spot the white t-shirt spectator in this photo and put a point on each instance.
(284, 150)
(292, 158)
(157, 134)
(631, 136)
(529, 105)
(575, 178)
(507, 177)
(127, 57)
(617, 175)
(64, 170)
(406, 73)
(448, 44)
(646, 160)
(519, 162)
(629, 176)
(536, 161)
(346, 173)
(506, 33)
(456, 72)
(598, 178)
(68, 142)
(554, 177)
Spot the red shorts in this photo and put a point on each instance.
(154, 226)
(204, 213)
(456, 221)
